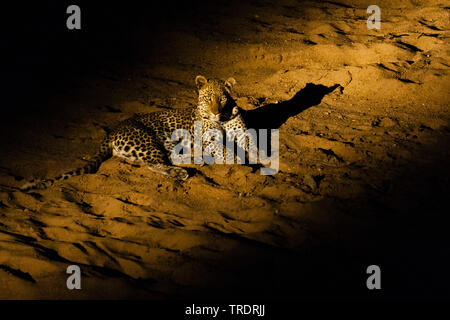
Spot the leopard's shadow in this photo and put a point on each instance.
(272, 116)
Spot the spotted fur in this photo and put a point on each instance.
(146, 138)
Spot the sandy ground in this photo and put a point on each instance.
(363, 178)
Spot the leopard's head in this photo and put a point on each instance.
(214, 97)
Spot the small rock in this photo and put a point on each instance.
(386, 122)
(310, 182)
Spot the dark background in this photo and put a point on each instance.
(42, 54)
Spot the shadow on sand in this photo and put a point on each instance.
(273, 115)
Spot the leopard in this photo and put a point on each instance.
(146, 138)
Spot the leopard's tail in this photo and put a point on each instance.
(92, 167)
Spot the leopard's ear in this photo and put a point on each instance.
(200, 81)
(230, 83)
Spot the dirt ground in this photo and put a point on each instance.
(363, 172)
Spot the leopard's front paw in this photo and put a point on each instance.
(178, 173)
